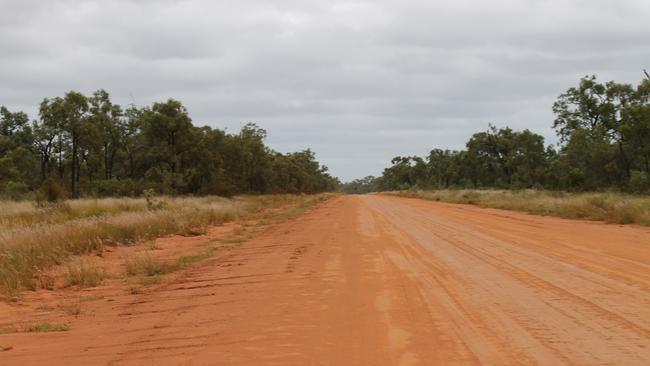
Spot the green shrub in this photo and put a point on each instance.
(15, 190)
(113, 188)
(639, 182)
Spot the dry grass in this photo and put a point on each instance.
(44, 307)
(149, 280)
(34, 238)
(83, 274)
(28, 213)
(72, 309)
(148, 266)
(37, 328)
(90, 298)
(609, 207)
(46, 328)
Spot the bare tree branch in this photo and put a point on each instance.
(646, 74)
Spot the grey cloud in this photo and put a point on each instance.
(357, 81)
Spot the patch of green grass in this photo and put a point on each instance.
(150, 280)
(37, 328)
(91, 298)
(188, 260)
(151, 271)
(46, 328)
(232, 240)
(8, 330)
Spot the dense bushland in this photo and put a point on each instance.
(604, 133)
(89, 146)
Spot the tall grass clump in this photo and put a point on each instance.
(148, 266)
(34, 237)
(84, 274)
(609, 207)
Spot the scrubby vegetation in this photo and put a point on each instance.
(604, 134)
(84, 146)
(83, 274)
(46, 328)
(610, 207)
(34, 237)
(37, 328)
(148, 266)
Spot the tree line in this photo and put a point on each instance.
(604, 144)
(89, 146)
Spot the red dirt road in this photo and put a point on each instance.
(376, 280)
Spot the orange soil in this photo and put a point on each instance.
(375, 280)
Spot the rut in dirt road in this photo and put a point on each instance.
(377, 280)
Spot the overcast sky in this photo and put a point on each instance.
(358, 82)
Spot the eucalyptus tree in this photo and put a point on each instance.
(166, 128)
(107, 120)
(17, 158)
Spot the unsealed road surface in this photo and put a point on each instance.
(377, 280)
